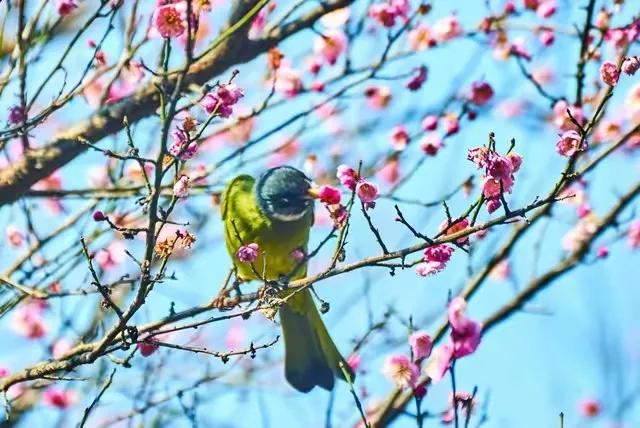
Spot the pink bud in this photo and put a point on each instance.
(609, 73)
(631, 65)
(603, 252)
(347, 176)
(481, 93)
(99, 216)
(248, 253)
(147, 348)
(430, 123)
(421, 345)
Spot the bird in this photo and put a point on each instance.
(276, 212)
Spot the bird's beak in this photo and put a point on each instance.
(313, 192)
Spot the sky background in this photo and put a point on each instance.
(579, 338)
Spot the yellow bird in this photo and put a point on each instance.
(276, 212)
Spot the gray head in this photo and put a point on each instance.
(283, 194)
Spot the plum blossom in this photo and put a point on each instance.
(580, 233)
(546, 8)
(354, 361)
(222, 100)
(421, 345)
(248, 253)
(399, 138)
(347, 176)
(169, 22)
(390, 171)
(447, 28)
(401, 371)
(569, 143)
(288, 80)
(421, 38)
(435, 260)
(430, 122)
(329, 195)
(465, 333)
(463, 401)
(367, 192)
(330, 45)
(111, 256)
(440, 362)
(499, 173)
(633, 235)
(481, 93)
(546, 37)
(15, 236)
(451, 123)
(387, 12)
(181, 147)
(65, 7)
(60, 398)
(561, 118)
(378, 97)
(609, 73)
(181, 188)
(28, 320)
(631, 65)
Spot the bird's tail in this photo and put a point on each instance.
(311, 357)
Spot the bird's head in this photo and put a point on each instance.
(283, 194)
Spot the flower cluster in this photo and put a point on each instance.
(183, 147)
(366, 191)
(221, 101)
(499, 173)
(435, 259)
(404, 371)
(248, 253)
(387, 12)
(464, 340)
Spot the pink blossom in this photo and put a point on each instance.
(354, 361)
(516, 161)
(431, 144)
(589, 407)
(631, 65)
(421, 38)
(465, 333)
(16, 115)
(429, 123)
(297, 255)
(493, 205)
(421, 345)
(390, 171)
(499, 167)
(248, 253)
(580, 233)
(169, 22)
(455, 227)
(111, 256)
(429, 268)
(222, 101)
(236, 335)
(609, 73)
(481, 93)
(493, 189)
(546, 37)
(4, 371)
(438, 253)
(418, 79)
(399, 138)
(546, 9)
(561, 118)
(60, 398)
(65, 7)
(388, 11)
(501, 271)
(330, 45)
(570, 143)
(329, 195)
(181, 187)
(288, 81)
(15, 236)
(28, 320)
(447, 28)
(181, 147)
(347, 176)
(440, 362)
(260, 21)
(401, 371)
(584, 210)
(147, 347)
(366, 191)
(378, 97)
(531, 4)
(518, 48)
(451, 124)
(633, 235)
(602, 252)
